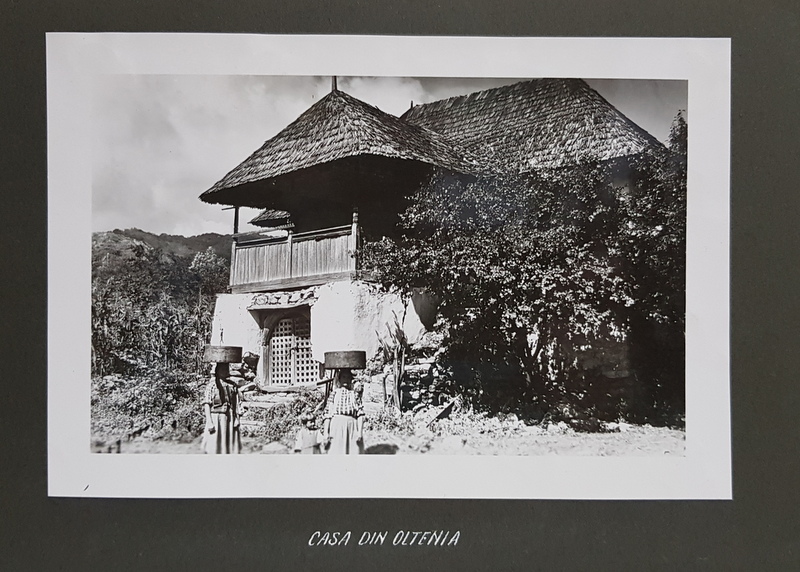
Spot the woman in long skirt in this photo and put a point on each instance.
(343, 424)
(221, 409)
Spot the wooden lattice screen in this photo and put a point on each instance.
(290, 352)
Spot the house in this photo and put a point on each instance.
(343, 171)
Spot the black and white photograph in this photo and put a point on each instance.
(436, 268)
(496, 270)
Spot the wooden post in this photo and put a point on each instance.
(354, 238)
(235, 218)
(233, 262)
(268, 325)
(233, 242)
(291, 248)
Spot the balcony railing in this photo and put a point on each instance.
(261, 263)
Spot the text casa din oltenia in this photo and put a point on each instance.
(401, 538)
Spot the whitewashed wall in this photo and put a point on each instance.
(352, 316)
(233, 325)
(348, 315)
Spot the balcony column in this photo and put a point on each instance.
(291, 250)
(353, 246)
(232, 273)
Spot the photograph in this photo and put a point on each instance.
(406, 265)
(471, 269)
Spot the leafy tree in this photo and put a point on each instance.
(149, 309)
(212, 271)
(678, 139)
(534, 271)
(655, 256)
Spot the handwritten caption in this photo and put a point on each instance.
(400, 538)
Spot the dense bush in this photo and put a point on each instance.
(533, 271)
(156, 403)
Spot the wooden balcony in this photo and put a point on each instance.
(261, 263)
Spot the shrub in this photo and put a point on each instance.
(157, 404)
(390, 421)
(282, 421)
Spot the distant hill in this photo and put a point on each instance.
(119, 243)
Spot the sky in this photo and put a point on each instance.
(159, 141)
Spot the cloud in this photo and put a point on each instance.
(160, 141)
(390, 94)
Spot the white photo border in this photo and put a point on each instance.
(704, 472)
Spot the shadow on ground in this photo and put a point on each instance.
(382, 449)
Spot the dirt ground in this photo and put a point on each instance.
(634, 441)
(625, 440)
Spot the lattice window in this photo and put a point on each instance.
(290, 352)
(307, 369)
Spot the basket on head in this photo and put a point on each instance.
(222, 354)
(354, 359)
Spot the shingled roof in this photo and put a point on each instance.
(340, 126)
(540, 123)
(273, 218)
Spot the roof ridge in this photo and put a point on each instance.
(535, 123)
(486, 92)
(398, 122)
